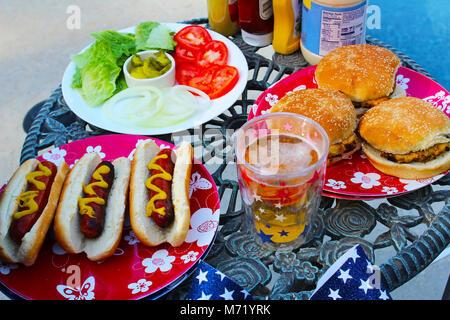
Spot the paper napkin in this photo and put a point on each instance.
(210, 284)
(351, 277)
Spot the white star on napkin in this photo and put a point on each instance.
(202, 277)
(334, 294)
(345, 275)
(205, 296)
(227, 295)
(365, 285)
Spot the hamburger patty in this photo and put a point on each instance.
(345, 146)
(370, 103)
(419, 156)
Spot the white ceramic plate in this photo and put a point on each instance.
(94, 115)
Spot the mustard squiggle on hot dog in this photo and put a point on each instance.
(26, 199)
(89, 190)
(160, 194)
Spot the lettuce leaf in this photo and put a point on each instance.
(99, 81)
(142, 32)
(160, 38)
(99, 75)
(120, 43)
(121, 83)
(76, 81)
(98, 50)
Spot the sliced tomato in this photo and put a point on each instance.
(193, 37)
(185, 72)
(215, 81)
(204, 79)
(214, 52)
(223, 81)
(184, 54)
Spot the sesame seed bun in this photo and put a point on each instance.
(404, 125)
(331, 109)
(413, 170)
(363, 72)
(407, 127)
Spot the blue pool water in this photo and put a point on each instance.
(421, 30)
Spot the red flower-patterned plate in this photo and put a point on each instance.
(134, 271)
(356, 176)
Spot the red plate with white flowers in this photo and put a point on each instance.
(356, 176)
(134, 271)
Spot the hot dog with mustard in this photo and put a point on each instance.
(27, 208)
(91, 210)
(159, 193)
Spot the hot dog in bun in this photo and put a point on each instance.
(91, 210)
(407, 138)
(365, 73)
(159, 193)
(333, 111)
(27, 208)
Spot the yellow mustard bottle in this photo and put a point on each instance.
(223, 16)
(287, 25)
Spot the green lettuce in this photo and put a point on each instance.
(154, 36)
(160, 38)
(98, 50)
(142, 32)
(98, 69)
(99, 81)
(121, 44)
(76, 80)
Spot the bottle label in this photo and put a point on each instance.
(265, 9)
(233, 10)
(325, 28)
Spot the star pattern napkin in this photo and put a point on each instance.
(210, 284)
(351, 277)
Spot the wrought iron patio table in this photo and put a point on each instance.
(408, 231)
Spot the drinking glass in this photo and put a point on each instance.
(281, 162)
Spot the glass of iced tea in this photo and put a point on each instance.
(281, 162)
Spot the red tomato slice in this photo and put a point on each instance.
(215, 81)
(204, 79)
(193, 37)
(214, 52)
(223, 81)
(185, 72)
(184, 54)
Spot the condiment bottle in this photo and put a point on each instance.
(287, 25)
(329, 24)
(256, 21)
(223, 16)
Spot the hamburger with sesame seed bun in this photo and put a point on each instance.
(333, 111)
(365, 73)
(407, 138)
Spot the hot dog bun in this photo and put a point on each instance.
(67, 220)
(27, 251)
(146, 230)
